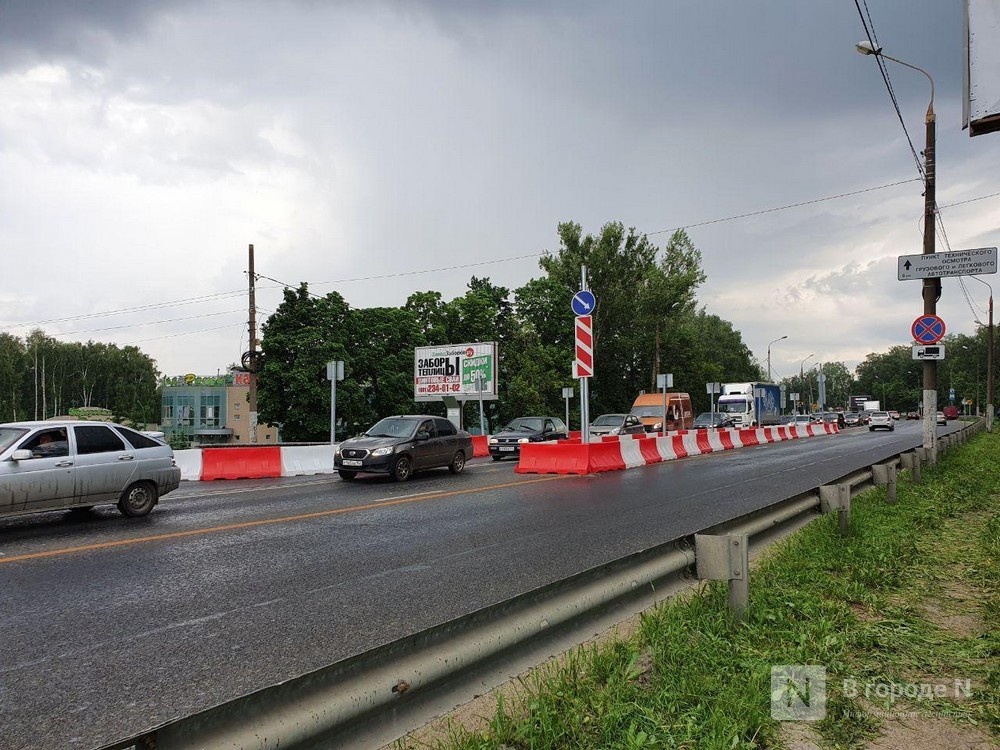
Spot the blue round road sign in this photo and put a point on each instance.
(584, 302)
(928, 329)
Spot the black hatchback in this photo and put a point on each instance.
(401, 445)
(507, 442)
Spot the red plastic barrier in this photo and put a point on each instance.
(564, 457)
(650, 453)
(748, 438)
(726, 436)
(241, 463)
(606, 457)
(677, 442)
(575, 435)
(703, 445)
(480, 446)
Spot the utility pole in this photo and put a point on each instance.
(932, 287)
(253, 353)
(990, 394)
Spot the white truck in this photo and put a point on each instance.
(751, 404)
(872, 406)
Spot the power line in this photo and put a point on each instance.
(186, 333)
(970, 200)
(149, 323)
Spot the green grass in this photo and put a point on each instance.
(861, 606)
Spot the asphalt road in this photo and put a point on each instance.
(113, 625)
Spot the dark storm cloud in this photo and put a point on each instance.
(43, 30)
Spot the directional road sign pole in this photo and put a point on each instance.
(584, 382)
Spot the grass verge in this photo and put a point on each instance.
(910, 599)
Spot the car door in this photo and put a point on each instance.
(425, 451)
(447, 438)
(105, 465)
(633, 425)
(44, 481)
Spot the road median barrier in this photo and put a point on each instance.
(300, 460)
(263, 462)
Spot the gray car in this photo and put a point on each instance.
(401, 445)
(616, 424)
(77, 465)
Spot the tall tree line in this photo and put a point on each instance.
(41, 377)
(647, 321)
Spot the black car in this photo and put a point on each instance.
(507, 442)
(835, 417)
(401, 445)
(718, 420)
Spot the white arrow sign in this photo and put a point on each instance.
(953, 263)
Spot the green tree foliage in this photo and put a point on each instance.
(41, 377)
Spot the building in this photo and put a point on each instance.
(211, 410)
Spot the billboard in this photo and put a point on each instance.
(981, 101)
(455, 370)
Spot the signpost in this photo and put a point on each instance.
(953, 263)
(334, 372)
(583, 365)
(567, 394)
(711, 389)
(664, 381)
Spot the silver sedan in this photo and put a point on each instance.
(77, 465)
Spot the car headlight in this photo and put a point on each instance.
(336, 451)
(383, 451)
(524, 440)
(658, 425)
(493, 441)
(615, 431)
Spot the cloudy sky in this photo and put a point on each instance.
(144, 145)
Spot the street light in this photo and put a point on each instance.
(990, 386)
(931, 290)
(802, 378)
(769, 376)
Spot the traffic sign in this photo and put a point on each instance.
(584, 302)
(927, 329)
(952, 263)
(583, 365)
(928, 352)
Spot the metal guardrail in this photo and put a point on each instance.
(313, 710)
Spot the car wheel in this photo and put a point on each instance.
(457, 463)
(402, 469)
(347, 475)
(137, 499)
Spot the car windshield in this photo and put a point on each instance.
(648, 411)
(528, 424)
(9, 435)
(733, 407)
(397, 427)
(802, 418)
(609, 420)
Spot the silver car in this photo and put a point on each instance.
(880, 420)
(59, 465)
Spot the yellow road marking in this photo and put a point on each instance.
(269, 521)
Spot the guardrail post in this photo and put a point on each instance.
(726, 558)
(911, 461)
(837, 498)
(884, 475)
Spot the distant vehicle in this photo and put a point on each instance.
(871, 406)
(851, 419)
(950, 412)
(58, 465)
(803, 419)
(941, 418)
(401, 445)
(507, 443)
(751, 404)
(894, 414)
(834, 417)
(880, 420)
(708, 420)
(616, 424)
(913, 415)
(864, 417)
(649, 408)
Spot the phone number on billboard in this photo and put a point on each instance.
(442, 388)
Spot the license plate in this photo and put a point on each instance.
(508, 448)
(352, 462)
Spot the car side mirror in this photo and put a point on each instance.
(423, 435)
(22, 455)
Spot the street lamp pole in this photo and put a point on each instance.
(990, 385)
(769, 376)
(802, 378)
(931, 287)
